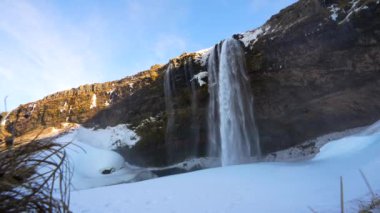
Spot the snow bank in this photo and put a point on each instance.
(260, 187)
(92, 161)
(108, 138)
(93, 167)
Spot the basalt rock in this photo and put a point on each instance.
(314, 69)
(77, 105)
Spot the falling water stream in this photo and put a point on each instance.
(232, 130)
(168, 90)
(172, 137)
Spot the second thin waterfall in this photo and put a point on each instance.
(233, 133)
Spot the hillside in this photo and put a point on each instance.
(313, 69)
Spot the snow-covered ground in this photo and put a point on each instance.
(92, 160)
(108, 138)
(258, 187)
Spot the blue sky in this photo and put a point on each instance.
(47, 46)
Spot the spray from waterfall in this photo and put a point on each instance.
(232, 130)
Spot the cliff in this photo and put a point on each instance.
(314, 69)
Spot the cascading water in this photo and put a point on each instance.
(168, 90)
(232, 130)
(189, 72)
(173, 139)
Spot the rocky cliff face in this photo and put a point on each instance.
(77, 105)
(314, 68)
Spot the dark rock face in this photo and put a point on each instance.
(311, 73)
(318, 75)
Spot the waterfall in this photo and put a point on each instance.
(233, 133)
(189, 73)
(168, 91)
(175, 144)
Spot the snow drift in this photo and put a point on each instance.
(260, 187)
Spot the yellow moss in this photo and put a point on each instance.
(153, 72)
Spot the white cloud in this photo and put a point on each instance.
(43, 55)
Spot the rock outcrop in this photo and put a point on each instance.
(314, 69)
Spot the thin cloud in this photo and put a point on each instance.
(45, 60)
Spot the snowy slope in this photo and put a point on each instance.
(260, 187)
(90, 154)
(108, 138)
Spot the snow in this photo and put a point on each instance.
(93, 101)
(259, 187)
(354, 9)
(33, 106)
(4, 120)
(334, 9)
(202, 56)
(90, 154)
(64, 108)
(250, 36)
(203, 51)
(108, 138)
(89, 162)
(310, 148)
(201, 75)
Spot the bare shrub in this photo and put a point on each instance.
(34, 177)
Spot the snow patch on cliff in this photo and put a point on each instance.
(202, 56)
(251, 37)
(356, 7)
(93, 101)
(201, 75)
(4, 120)
(334, 9)
(108, 138)
(64, 107)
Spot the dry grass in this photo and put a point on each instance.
(375, 204)
(34, 177)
